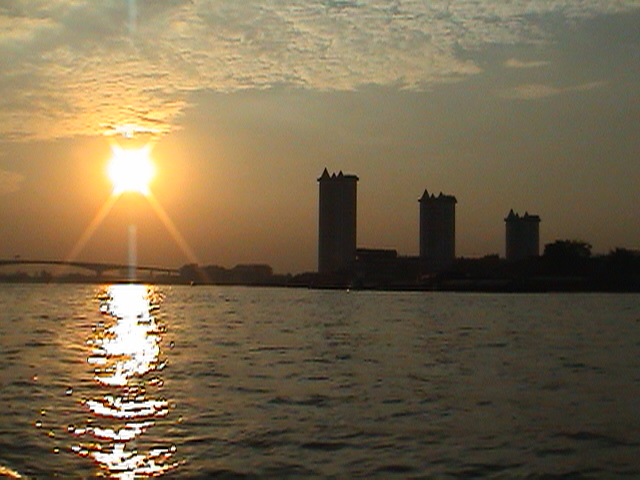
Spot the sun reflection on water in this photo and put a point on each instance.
(125, 356)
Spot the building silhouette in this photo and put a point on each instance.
(437, 230)
(337, 222)
(522, 236)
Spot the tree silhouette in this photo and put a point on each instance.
(567, 257)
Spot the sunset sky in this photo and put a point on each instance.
(531, 105)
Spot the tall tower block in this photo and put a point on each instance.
(522, 236)
(337, 221)
(437, 230)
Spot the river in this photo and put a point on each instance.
(131, 381)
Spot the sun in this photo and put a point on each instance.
(131, 170)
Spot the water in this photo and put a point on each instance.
(201, 382)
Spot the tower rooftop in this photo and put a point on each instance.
(514, 217)
(339, 176)
(440, 198)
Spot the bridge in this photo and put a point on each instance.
(96, 267)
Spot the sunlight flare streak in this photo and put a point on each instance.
(91, 228)
(171, 228)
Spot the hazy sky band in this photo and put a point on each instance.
(82, 67)
(530, 105)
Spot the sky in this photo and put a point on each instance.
(507, 104)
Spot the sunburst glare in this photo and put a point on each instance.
(131, 170)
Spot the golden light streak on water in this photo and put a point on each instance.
(7, 472)
(124, 353)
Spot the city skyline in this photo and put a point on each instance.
(337, 243)
(530, 106)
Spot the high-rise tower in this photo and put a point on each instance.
(522, 236)
(437, 230)
(337, 221)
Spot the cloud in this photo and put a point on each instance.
(78, 67)
(536, 91)
(10, 182)
(532, 91)
(515, 63)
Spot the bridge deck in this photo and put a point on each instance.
(97, 267)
